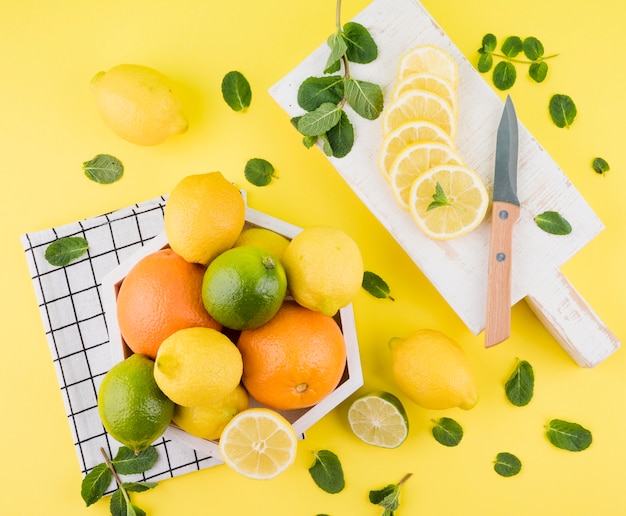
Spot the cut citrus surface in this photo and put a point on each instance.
(379, 419)
(428, 82)
(258, 443)
(428, 58)
(414, 131)
(461, 201)
(415, 160)
(420, 105)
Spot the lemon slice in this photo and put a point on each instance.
(431, 59)
(410, 132)
(429, 82)
(419, 105)
(259, 443)
(415, 160)
(464, 204)
(379, 419)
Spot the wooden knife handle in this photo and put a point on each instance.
(498, 323)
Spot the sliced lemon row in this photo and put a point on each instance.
(462, 201)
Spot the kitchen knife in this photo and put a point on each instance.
(505, 213)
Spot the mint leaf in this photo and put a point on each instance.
(447, 431)
(104, 169)
(366, 98)
(340, 137)
(315, 91)
(562, 110)
(512, 46)
(388, 496)
(338, 48)
(507, 464)
(127, 463)
(376, 286)
(538, 71)
(120, 507)
(504, 75)
(600, 166)
(139, 487)
(485, 62)
(259, 172)
(533, 48)
(327, 472)
(520, 385)
(236, 91)
(568, 436)
(95, 483)
(489, 43)
(553, 222)
(439, 198)
(320, 120)
(361, 47)
(65, 250)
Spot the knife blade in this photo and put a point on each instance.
(505, 213)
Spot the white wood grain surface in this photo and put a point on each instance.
(458, 268)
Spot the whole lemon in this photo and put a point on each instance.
(244, 287)
(204, 214)
(197, 366)
(207, 422)
(324, 269)
(131, 406)
(138, 104)
(264, 238)
(433, 370)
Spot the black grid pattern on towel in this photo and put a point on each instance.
(71, 309)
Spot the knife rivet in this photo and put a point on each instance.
(503, 214)
(500, 257)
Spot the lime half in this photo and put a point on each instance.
(379, 418)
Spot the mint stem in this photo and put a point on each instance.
(522, 61)
(117, 478)
(338, 16)
(405, 478)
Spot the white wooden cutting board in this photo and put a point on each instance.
(458, 268)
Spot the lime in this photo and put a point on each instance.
(379, 418)
(208, 421)
(264, 238)
(131, 406)
(324, 269)
(244, 287)
(197, 366)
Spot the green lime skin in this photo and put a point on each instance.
(244, 287)
(132, 408)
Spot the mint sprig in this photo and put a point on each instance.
(505, 73)
(125, 462)
(388, 496)
(324, 97)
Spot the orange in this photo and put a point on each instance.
(160, 295)
(293, 361)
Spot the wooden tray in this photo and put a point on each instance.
(458, 268)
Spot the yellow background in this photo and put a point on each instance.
(50, 50)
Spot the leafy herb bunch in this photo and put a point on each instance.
(325, 97)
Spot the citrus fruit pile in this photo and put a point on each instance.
(418, 156)
(225, 315)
